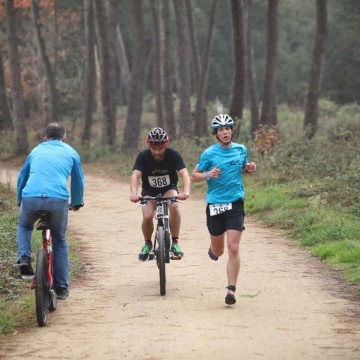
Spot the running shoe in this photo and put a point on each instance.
(176, 253)
(230, 298)
(144, 253)
(211, 255)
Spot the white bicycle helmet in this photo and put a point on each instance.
(221, 120)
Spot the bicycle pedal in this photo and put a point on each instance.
(151, 256)
(173, 257)
(27, 277)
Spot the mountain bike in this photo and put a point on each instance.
(43, 280)
(161, 243)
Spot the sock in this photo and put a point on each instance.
(148, 242)
(175, 239)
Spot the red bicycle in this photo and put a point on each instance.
(43, 280)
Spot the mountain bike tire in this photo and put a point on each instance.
(160, 258)
(41, 288)
(52, 297)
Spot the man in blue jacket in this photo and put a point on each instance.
(42, 185)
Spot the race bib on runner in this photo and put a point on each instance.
(216, 209)
(159, 181)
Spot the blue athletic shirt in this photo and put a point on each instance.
(46, 172)
(228, 187)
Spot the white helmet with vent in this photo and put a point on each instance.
(221, 121)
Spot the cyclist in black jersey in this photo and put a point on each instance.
(159, 168)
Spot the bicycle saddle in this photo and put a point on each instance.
(43, 222)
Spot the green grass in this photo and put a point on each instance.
(17, 300)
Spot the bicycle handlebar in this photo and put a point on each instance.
(144, 200)
(76, 207)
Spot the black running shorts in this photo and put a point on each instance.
(229, 220)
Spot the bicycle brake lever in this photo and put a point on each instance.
(141, 203)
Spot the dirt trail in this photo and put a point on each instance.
(290, 305)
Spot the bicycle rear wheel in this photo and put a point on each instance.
(160, 259)
(41, 288)
(52, 295)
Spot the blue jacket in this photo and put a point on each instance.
(46, 172)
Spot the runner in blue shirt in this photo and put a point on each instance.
(42, 185)
(222, 166)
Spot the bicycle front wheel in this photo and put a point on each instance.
(160, 259)
(41, 288)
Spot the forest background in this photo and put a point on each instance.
(286, 71)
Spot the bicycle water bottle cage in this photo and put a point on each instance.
(43, 222)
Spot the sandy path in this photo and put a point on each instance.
(290, 305)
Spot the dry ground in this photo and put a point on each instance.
(290, 305)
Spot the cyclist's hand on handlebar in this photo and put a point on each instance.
(183, 196)
(134, 198)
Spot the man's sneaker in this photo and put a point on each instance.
(25, 267)
(230, 298)
(62, 293)
(175, 251)
(144, 253)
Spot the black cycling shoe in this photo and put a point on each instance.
(25, 266)
(62, 293)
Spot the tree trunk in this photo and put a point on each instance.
(137, 83)
(18, 106)
(267, 116)
(122, 60)
(112, 34)
(201, 126)
(184, 67)
(50, 92)
(157, 62)
(312, 101)
(239, 49)
(194, 56)
(166, 74)
(90, 71)
(251, 75)
(109, 134)
(5, 119)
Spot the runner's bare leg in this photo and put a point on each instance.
(233, 265)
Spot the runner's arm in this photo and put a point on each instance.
(198, 175)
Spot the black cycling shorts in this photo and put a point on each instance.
(156, 191)
(229, 220)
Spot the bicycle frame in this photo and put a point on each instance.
(43, 280)
(161, 248)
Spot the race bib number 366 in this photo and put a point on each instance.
(216, 209)
(159, 181)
